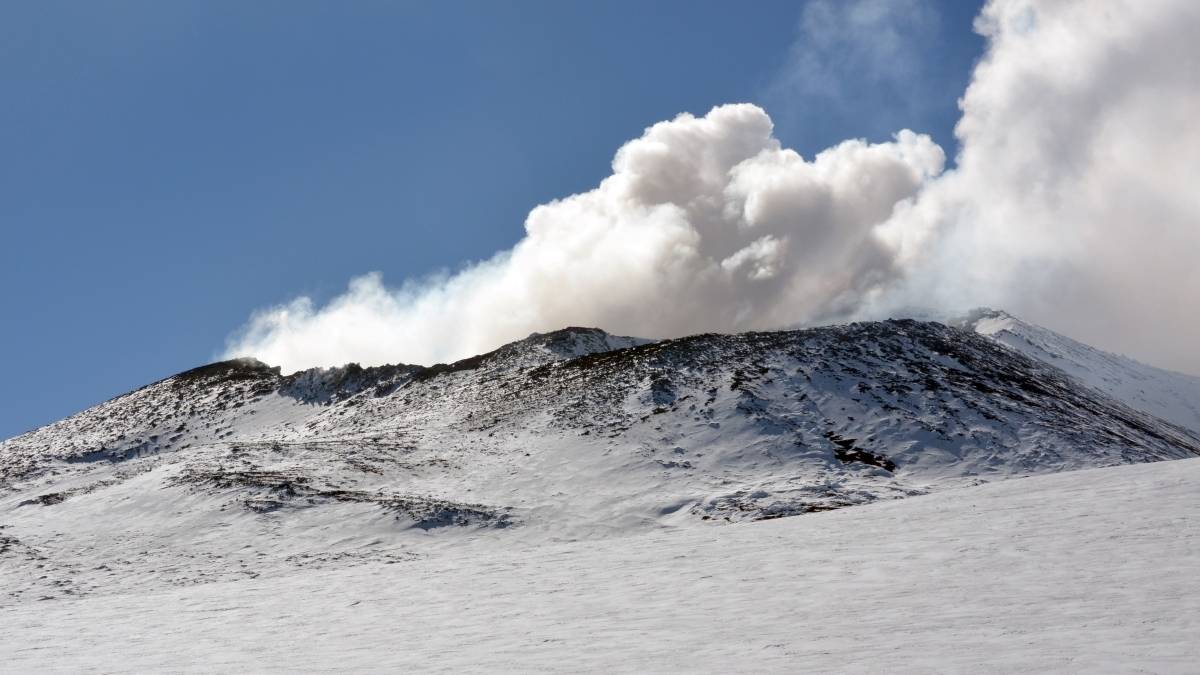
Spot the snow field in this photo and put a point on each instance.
(1087, 571)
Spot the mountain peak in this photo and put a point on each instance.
(575, 341)
(239, 368)
(985, 321)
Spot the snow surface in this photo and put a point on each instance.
(1089, 572)
(1172, 396)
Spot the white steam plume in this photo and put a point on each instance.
(705, 224)
(1075, 202)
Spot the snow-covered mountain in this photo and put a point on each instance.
(1174, 397)
(234, 470)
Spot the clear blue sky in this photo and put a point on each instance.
(168, 167)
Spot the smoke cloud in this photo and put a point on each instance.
(1074, 203)
(706, 223)
(1076, 199)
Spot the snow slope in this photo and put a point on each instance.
(232, 471)
(1174, 397)
(1084, 572)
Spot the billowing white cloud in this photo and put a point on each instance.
(1075, 202)
(706, 223)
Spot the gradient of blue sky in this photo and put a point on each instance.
(167, 168)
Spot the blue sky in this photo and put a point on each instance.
(168, 168)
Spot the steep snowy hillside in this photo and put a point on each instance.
(1174, 397)
(1088, 572)
(232, 470)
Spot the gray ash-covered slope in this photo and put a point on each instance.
(563, 435)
